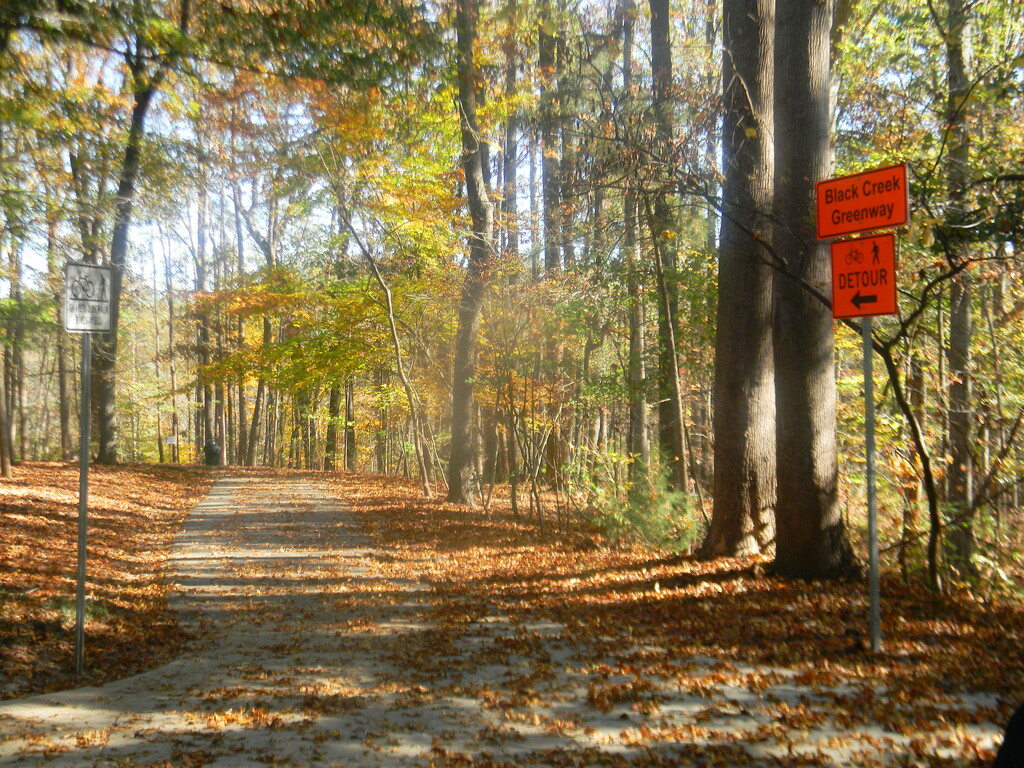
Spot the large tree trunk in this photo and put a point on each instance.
(811, 540)
(480, 254)
(257, 412)
(743, 519)
(959, 476)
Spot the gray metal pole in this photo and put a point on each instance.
(83, 503)
(869, 430)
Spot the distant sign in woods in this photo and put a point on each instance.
(87, 298)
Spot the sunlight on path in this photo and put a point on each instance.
(304, 654)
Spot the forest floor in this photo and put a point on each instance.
(312, 619)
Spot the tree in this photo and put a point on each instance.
(811, 540)
(481, 248)
(145, 79)
(960, 492)
(744, 421)
(663, 234)
(637, 440)
(963, 158)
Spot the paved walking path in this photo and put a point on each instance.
(261, 564)
(305, 655)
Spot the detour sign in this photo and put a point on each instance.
(864, 277)
(863, 202)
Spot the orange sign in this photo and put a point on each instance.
(864, 277)
(863, 202)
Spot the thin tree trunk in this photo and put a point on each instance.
(422, 456)
(64, 387)
(550, 186)
(63, 375)
(638, 444)
(351, 459)
(265, 397)
(157, 371)
(17, 352)
(105, 346)
(957, 167)
(671, 408)
(510, 186)
(205, 391)
(923, 456)
(274, 423)
(242, 451)
(333, 413)
(663, 233)
(257, 413)
(171, 359)
(5, 431)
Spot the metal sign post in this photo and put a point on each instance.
(88, 307)
(863, 285)
(869, 441)
(83, 503)
(860, 257)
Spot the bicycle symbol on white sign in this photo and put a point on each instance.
(87, 298)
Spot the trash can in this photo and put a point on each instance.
(211, 453)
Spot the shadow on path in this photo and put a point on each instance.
(304, 653)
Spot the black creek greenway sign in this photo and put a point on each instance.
(862, 202)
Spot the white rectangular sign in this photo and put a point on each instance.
(87, 299)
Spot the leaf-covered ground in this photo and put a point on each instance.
(134, 513)
(343, 620)
(643, 623)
